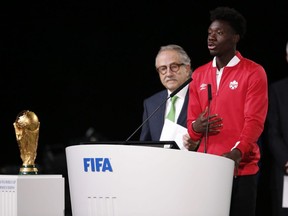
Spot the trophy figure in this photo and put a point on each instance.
(27, 133)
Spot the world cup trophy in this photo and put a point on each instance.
(26, 128)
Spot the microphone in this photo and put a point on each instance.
(171, 95)
(208, 114)
(209, 93)
(181, 87)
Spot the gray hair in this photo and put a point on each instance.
(183, 55)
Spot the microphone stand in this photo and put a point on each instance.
(208, 115)
(148, 118)
(171, 95)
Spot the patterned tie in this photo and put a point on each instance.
(171, 114)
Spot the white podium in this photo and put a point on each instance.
(122, 180)
(32, 195)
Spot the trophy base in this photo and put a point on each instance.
(28, 170)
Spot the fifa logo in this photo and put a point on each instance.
(97, 165)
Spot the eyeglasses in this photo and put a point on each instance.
(174, 67)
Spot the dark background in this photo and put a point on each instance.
(82, 65)
(73, 63)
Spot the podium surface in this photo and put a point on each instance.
(121, 180)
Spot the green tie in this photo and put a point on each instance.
(171, 114)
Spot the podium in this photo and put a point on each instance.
(122, 180)
(32, 195)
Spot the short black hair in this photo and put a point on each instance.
(235, 19)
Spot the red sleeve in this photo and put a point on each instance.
(255, 109)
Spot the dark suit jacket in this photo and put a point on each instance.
(275, 146)
(151, 130)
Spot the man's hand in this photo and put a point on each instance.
(190, 144)
(236, 156)
(200, 124)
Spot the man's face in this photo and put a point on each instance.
(171, 70)
(221, 38)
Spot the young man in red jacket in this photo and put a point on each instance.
(237, 110)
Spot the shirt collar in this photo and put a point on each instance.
(231, 63)
(182, 93)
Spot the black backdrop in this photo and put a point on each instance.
(73, 63)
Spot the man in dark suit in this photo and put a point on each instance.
(277, 137)
(174, 68)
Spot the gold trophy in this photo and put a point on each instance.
(27, 133)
